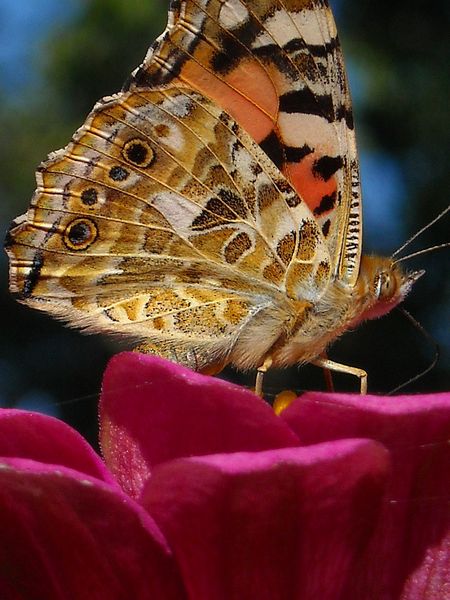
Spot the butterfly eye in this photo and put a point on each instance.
(80, 234)
(385, 285)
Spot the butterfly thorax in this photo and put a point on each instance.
(380, 286)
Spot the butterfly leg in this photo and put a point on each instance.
(326, 363)
(328, 380)
(327, 375)
(260, 375)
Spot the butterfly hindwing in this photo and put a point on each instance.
(164, 220)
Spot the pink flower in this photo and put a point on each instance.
(208, 495)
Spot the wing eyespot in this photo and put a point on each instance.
(139, 153)
(80, 234)
(118, 173)
(89, 196)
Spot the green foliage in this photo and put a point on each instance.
(80, 63)
(107, 41)
(405, 48)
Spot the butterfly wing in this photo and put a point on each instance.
(276, 66)
(165, 221)
(173, 220)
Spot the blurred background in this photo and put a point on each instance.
(58, 58)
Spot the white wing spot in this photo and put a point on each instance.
(181, 106)
(313, 130)
(177, 210)
(316, 26)
(232, 14)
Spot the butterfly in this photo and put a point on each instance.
(211, 210)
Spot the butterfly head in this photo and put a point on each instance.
(383, 284)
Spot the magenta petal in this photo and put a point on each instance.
(45, 439)
(278, 524)
(412, 539)
(392, 420)
(153, 410)
(63, 537)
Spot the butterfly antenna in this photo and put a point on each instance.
(419, 252)
(416, 235)
(433, 363)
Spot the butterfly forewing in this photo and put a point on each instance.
(277, 68)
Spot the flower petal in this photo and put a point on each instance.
(392, 420)
(278, 524)
(153, 410)
(63, 536)
(48, 440)
(412, 540)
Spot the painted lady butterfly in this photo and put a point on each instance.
(211, 211)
